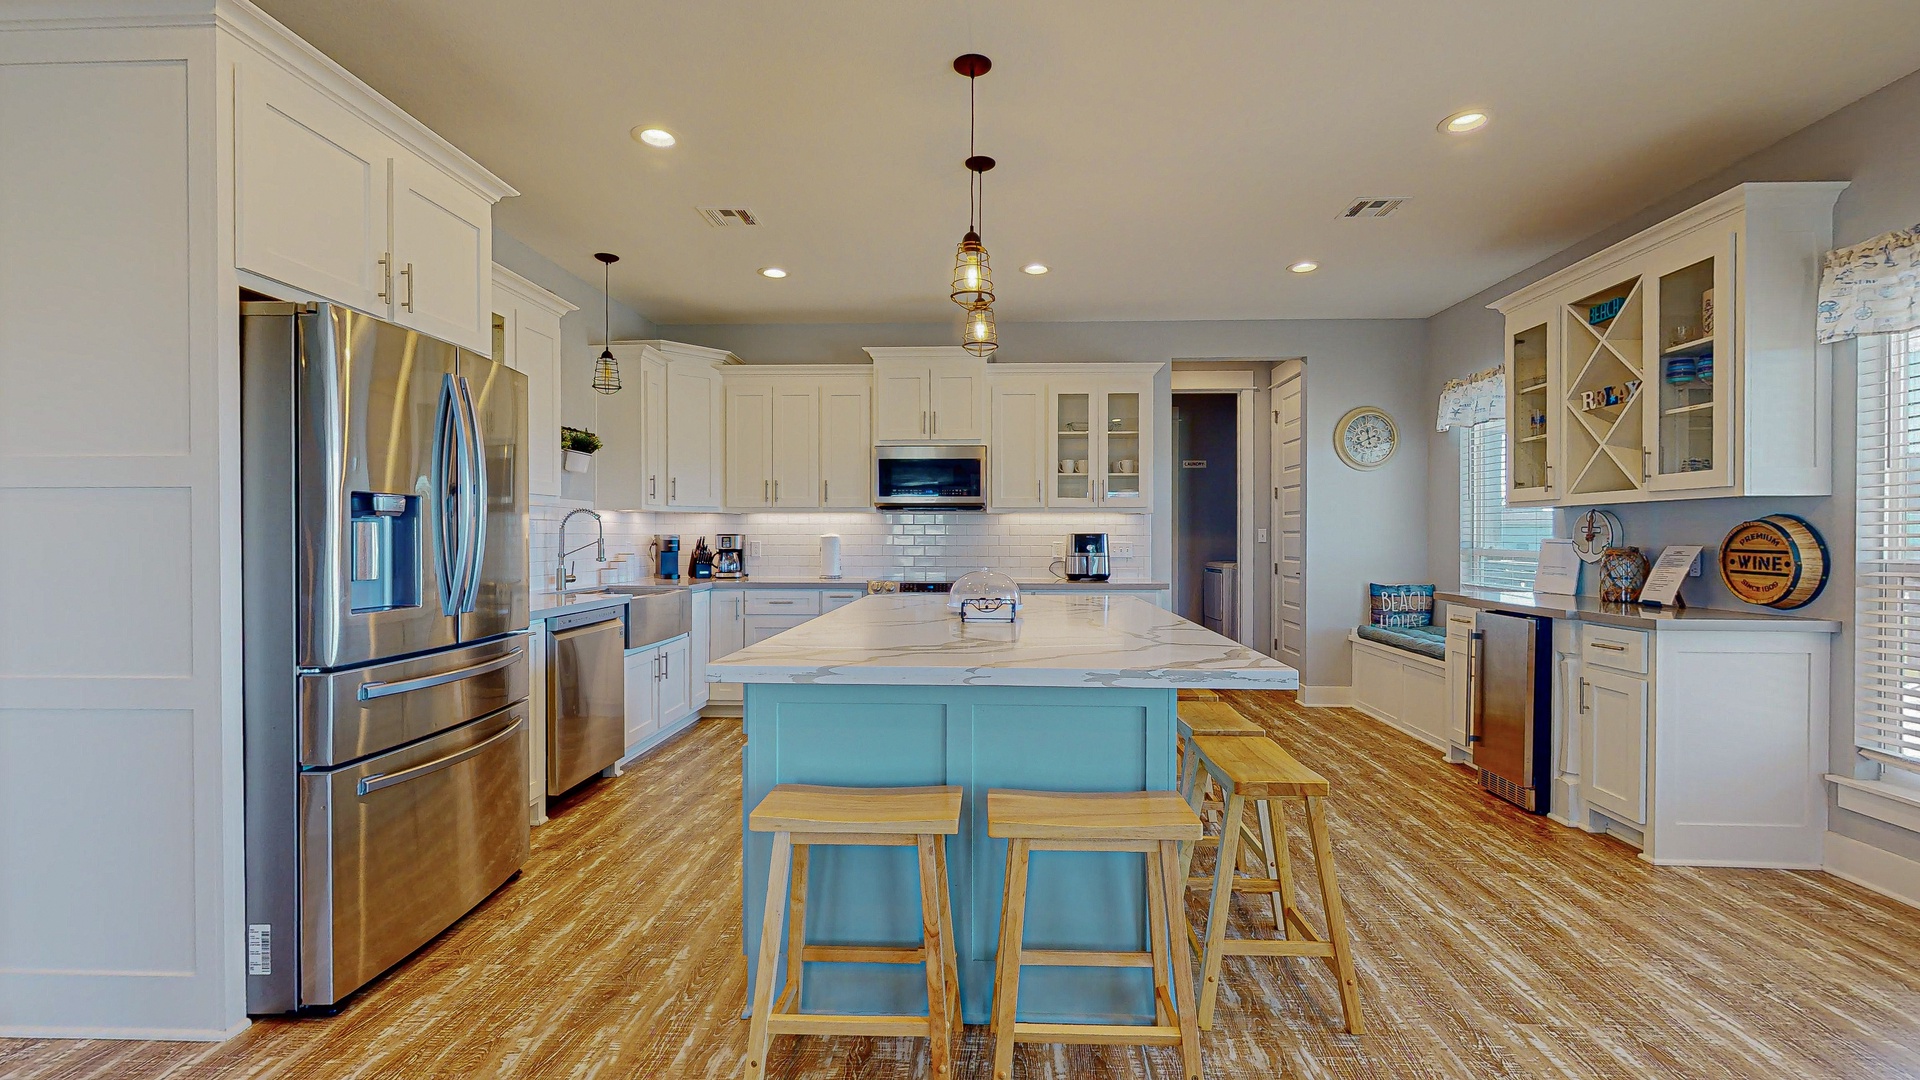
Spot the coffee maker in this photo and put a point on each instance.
(1087, 557)
(668, 548)
(730, 556)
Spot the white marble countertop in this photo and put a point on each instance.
(912, 640)
(860, 584)
(1633, 616)
(549, 605)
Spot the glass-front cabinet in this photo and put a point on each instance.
(1688, 433)
(1532, 417)
(1101, 447)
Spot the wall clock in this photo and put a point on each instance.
(1594, 532)
(1365, 438)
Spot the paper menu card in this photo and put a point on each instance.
(1559, 568)
(1663, 581)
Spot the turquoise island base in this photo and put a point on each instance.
(1078, 694)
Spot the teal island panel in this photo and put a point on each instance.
(980, 738)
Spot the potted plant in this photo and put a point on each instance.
(577, 447)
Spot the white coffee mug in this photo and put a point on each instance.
(1066, 465)
(1080, 465)
(1126, 465)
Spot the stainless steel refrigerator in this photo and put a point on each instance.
(384, 479)
(1511, 698)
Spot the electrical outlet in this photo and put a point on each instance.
(1060, 549)
(753, 549)
(1259, 536)
(1123, 550)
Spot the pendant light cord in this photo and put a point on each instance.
(606, 305)
(976, 183)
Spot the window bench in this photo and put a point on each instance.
(1399, 686)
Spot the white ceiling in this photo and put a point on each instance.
(1168, 160)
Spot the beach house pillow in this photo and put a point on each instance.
(1402, 605)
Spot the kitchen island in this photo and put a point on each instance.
(1077, 694)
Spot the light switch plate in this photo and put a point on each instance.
(753, 549)
(1259, 536)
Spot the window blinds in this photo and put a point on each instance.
(1499, 544)
(1887, 573)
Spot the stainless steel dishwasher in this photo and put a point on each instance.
(586, 695)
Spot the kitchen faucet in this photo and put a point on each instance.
(560, 575)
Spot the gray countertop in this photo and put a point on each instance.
(1633, 616)
(549, 605)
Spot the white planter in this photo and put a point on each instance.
(575, 461)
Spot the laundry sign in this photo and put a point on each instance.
(1193, 463)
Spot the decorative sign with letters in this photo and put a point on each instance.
(1604, 310)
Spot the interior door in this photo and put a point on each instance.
(1290, 519)
(846, 444)
(374, 547)
(497, 600)
(795, 463)
(443, 255)
(749, 431)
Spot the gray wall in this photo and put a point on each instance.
(1875, 143)
(1366, 526)
(579, 338)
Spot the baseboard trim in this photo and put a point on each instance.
(207, 1035)
(1437, 744)
(1892, 876)
(1326, 697)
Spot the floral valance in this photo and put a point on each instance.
(1871, 288)
(1475, 399)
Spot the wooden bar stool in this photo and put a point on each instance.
(1198, 695)
(1260, 770)
(1153, 823)
(802, 815)
(1206, 718)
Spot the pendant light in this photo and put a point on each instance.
(606, 370)
(972, 271)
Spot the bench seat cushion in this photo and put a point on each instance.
(1425, 640)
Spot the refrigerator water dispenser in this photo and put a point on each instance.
(384, 570)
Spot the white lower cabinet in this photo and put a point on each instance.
(1460, 675)
(700, 647)
(727, 634)
(762, 627)
(659, 690)
(1614, 707)
(643, 695)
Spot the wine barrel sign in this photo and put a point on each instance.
(1777, 560)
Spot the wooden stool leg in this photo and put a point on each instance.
(789, 999)
(1175, 890)
(1006, 966)
(951, 966)
(1217, 911)
(939, 1009)
(1189, 771)
(1157, 924)
(757, 1039)
(1273, 849)
(1336, 915)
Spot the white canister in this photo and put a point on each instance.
(830, 555)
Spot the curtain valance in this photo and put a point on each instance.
(1871, 288)
(1475, 399)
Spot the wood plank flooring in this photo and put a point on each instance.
(1489, 945)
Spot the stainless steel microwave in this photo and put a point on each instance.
(930, 478)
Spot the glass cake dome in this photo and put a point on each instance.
(985, 594)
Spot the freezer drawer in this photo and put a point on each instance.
(398, 847)
(346, 715)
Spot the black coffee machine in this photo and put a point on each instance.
(668, 568)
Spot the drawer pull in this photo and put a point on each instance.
(1609, 646)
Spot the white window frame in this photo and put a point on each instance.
(1887, 553)
(1483, 483)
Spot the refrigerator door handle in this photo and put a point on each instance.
(372, 690)
(1477, 685)
(463, 477)
(475, 504)
(445, 441)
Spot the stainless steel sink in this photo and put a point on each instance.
(655, 612)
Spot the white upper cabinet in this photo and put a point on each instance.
(664, 430)
(1100, 429)
(526, 337)
(653, 431)
(749, 443)
(795, 467)
(846, 443)
(1021, 447)
(929, 395)
(696, 446)
(327, 202)
(1679, 363)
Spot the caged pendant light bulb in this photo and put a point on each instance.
(606, 370)
(972, 270)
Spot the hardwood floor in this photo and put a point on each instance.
(1489, 944)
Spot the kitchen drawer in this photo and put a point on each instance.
(1461, 618)
(783, 602)
(762, 627)
(1609, 647)
(839, 598)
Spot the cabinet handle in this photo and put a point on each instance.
(1476, 686)
(766, 491)
(923, 421)
(1580, 696)
(386, 277)
(1549, 476)
(408, 274)
(673, 489)
(651, 486)
(780, 602)
(824, 491)
(1646, 468)
(936, 422)
(1608, 645)
(776, 491)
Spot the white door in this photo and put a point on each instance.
(901, 402)
(676, 686)
(643, 695)
(795, 462)
(536, 354)
(846, 443)
(749, 433)
(956, 404)
(1290, 519)
(653, 433)
(1020, 447)
(694, 445)
(310, 203)
(1616, 761)
(700, 646)
(442, 253)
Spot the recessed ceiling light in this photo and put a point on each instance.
(1305, 266)
(772, 272)
(660, 137)
(1462, 122)
(1034, 268)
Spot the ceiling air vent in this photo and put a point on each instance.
(721, 217)
(1368, 207)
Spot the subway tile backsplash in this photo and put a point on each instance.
(907, 546)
